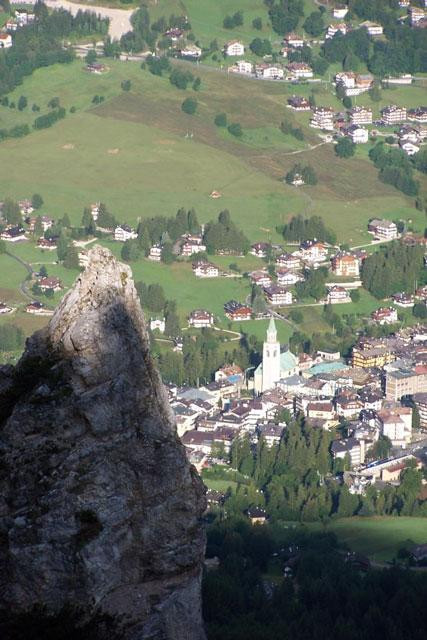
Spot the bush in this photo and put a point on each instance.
(36, 201)
(221, 120)
(22, 103)
(257, 24)
(345, 148)
(126, 85)
(236, 20)
(189, 106)
(181, 79)
(235, 129)
(296, 316)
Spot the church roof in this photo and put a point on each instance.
(287, 362)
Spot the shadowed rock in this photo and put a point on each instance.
(99, 507)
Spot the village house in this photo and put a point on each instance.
(287, 278)
(288, 261)
(354, 83)
(270, 432)
(259, 249)
(5, 41)
(204, 269)
(350, 447)
(124, 232)
(278, 295)
(257, 515)
(241, 66)
(339, 27)
(94, 209)
(360, 115)
(260, 278)
(13, 234)
(393, 114)
(418, 115)
(237, 312)
(404, 3)
(357, 134)
(157, 324)
(4, 308)
(234, 48)
(405, 300)
(348, 407)
(408, 147)
(96, 67)
(230, 372)
(337, 295)
(384, 315)
(383, 229)
(415, 15)
(155, 253)
(11, 25)
(200, 318)
(298, 103)
(345, 265)
(174, 33)
(300, 70)
(49, 283)
(396, 424)
(191, 51)
(293, 40)
(373, 28)
(47, 243)
(324, 410)
(268, 71)
(323, 118)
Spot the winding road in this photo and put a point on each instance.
(119, 18)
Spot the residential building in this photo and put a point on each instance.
(360, 115)
(345, 265)
(351, 447)
(288, 261)
(200, 318)
(234, 48)
(157, 324)
(384, 315)
(408, 147)
(300, 70)
(260, 278)
(405, 78)
(191, 245)
(204, 269)
(278, 295)
(354, 83)
(404, 381)
(339, 27)
(405, 300)
(5, 41)
(155, 253)
(323, 118)
(174, 33)
(418, 115)
(293, 40)
(237, 312)
(49, 283)
(5, 309)
(415, 15)
(383, 229)
(396, 424)
(420, 400)
(272, 72)
(191, 51)
(393, 114)
(369, 358)
(47, 243)
(259, 249)
(242, 66)
(287, 278)
(298, 103)
(373, 28)
(339, 12)
(321, 409)
(338, 295)
(13, 234)
(313, 251)
(37, 308)
(123, 232)
(271, 433)
(357, 134)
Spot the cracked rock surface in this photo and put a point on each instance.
(99, 507)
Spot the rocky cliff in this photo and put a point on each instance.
(99, 507)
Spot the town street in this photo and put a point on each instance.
(119, 18)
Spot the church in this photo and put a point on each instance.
(275, 365)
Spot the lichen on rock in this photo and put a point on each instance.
(99, 507)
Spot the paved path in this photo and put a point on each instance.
(119, 18)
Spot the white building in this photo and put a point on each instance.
(155, 253)
(203, 269)
(393, 114)
(339, 27)
(339, 12)
(5, 40)
(234, 48)
(360, 115)
(123, 232)
(408, 147)
(293, 40)
(383, 229)
(357, 134)
(338, 295)
(373, 28)
(278, 295)
(323, 118)
(157, 324)
(200, 318)
(242, 66)
(191, 51)
(300, 70)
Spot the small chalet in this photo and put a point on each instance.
(259, 249)
(237, 312)
(234, 48)
(204, 269)
(293, 40)
(200, 318)
(13, 234)
(405, 300)
(191, 245)
(383, 229)
(278, 295)
(298, 103)
(5, 40)
(338, 295)
(155, 253)
(287, 278)
(49, 283)
(37, 308)
(4, 308)
(191, 51)
(260, 278)
(257, 515)
(47, 243)
(124, 232)
(288, 261)
(313, 251)
(96, 67)
(384, 315)
(157, 324)
(300, 70)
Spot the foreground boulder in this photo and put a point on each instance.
(99, 508)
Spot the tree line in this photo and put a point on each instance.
(300, 228)
(394, 268)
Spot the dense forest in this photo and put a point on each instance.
(300, 228)
(392, 269)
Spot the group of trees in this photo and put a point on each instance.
(39, 44)
(307, 174)
(287, 128)
(326, 597)
(300, 228)
(285, 16)
(150, 35)
(394, 268)
(236, 20)
(313, 285)
(396, 168)
(182, 78)
(223, 235)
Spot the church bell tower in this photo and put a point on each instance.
(270, 358)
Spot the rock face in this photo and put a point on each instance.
(99, 507)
